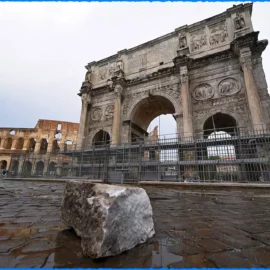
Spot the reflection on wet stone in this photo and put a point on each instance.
(214, 228)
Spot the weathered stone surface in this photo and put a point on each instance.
(7, 245)
(109, 219)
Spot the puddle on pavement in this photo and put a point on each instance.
(64, 250)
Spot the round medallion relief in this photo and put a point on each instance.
(203, 91)
(96, 114)
(109, 111)
(229, 86)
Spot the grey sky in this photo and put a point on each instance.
(45, 46)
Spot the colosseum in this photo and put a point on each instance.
(35, 151)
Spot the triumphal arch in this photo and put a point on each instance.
(209, 70)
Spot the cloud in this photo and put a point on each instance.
(45, 46)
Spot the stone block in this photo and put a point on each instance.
(109, 219)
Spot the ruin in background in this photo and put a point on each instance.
(37, 151)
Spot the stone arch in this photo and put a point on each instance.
(238, 120)
(147, 108)
(43, 146)
(89, 138)
(31, 144)
(8, 143)
(27, 168)
(14, 167)
(68, 145)
(55, 146)
(52, 167)
(39, 167)
(220, 122)
(174, 101)
(101, 137)
(3, 164)
(19, 145)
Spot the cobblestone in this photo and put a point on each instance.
(194, 228)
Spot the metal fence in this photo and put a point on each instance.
(236, 156)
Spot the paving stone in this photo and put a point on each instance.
(31, 261)
(230, 259)
(40, 245)
(213, 245)
(5, 261)
(239, 241)
(258, 256)
(44, 234)
(185, 249)
(193, 261)
(7, 245)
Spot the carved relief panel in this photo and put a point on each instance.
(228, 87)
(101, 116)
(198, 40)
(218, 34)
(203, 91)
(217, 89)
(96, 114)
(102, 73)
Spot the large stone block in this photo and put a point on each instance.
(109, 219)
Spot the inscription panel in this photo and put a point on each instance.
(164, 51)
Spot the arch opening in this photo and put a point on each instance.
(14, 167)
(39, 168)
(3, 164)
(151, 112)
(220, 122)
(219, 130)
(101, 138)
(43, 146)
(68, 146)
(27, 168)
(55, 146)
(52, 168)
(8, 143)
(32, 144)
(19, 145)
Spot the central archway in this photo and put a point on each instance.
(149, 108)
(145, 111)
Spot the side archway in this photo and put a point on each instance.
(101, 138)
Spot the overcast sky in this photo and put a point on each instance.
(45, 46)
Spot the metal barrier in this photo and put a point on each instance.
(239, 156)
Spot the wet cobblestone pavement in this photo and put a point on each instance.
(193, 229)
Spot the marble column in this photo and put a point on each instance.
(253, 97)
(117, 115)
(85, 102)
(186, 104)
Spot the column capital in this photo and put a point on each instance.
(247, 41)
(85, 88)
(246, 57)
(183, 74)
(182, 60)
(86, 99)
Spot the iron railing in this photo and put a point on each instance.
(239, 155)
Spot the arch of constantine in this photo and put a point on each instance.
(211, 69)
(209, 76)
